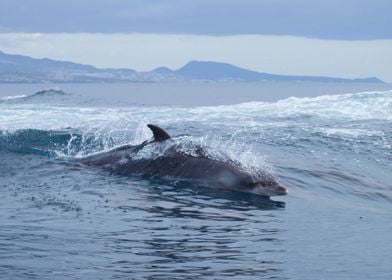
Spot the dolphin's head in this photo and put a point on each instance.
(267, 185)
(257, 182)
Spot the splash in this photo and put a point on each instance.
(234, 131)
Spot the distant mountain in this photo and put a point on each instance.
(18, 68)
(223, 71)
(209, 70)
(162, 70)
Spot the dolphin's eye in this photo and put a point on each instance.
(251, 184)
(271, 183)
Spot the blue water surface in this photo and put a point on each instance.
(61, 220)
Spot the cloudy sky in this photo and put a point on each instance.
(347, 38)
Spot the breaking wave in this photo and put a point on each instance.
(329, 129)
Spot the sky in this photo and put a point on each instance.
(342, 38)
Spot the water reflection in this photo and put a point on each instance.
(191, 233)
(185, 192)
(135, 229)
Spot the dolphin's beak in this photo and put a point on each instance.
(281, 190)
(270, 190)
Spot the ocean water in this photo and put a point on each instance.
(60, 220)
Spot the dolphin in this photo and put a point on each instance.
(173, 163)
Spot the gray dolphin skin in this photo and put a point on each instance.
(175, 164)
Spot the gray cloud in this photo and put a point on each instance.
(327, 19)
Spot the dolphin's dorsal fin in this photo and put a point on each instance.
(159, 134)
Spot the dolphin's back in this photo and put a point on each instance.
(187, 167)
(176, 165)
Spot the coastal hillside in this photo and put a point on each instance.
(24, 69)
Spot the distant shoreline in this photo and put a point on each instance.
(192, 94)
(25, 69)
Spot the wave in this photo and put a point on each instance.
(74, 144)
(49, 95)
(12, 97)
(70, 144)
(331, 182)
(48, 143)
(347, 125)
(352, 132)
(356, 106)
(366, 106)
(338, 121)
